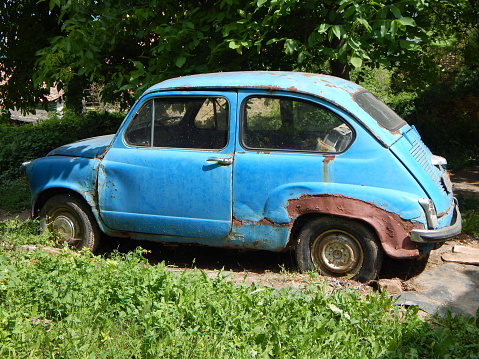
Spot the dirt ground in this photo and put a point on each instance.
(279, 269)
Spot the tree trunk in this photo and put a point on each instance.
(339, 69)
(74, 94)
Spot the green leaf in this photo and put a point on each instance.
(350, 11)
(383, 29)
(354, 44)
(409, 45)
(356, 61)
(335, 309)
(323, 28)
(290, 46)
(365, 24)
(180, 61)
(272, 41)
(343, 5)
(337, 30)
(396, 12)
(407, 21)
(139, 65)
(394, 28)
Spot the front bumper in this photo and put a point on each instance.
(441, 234)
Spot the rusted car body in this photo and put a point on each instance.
(260, 160)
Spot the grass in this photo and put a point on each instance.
(71, 305)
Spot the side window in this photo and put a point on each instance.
(181, 122)
(139, 130)
(281, 123)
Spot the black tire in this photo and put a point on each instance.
(338, 247)
(73, 220)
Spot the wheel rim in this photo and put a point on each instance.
(66, 225)
(337, 253)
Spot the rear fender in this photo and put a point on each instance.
(391, 214)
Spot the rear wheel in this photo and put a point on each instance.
(73, 220)
(338, 247)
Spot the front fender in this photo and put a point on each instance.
(68, 173)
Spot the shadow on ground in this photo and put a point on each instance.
(259, 262)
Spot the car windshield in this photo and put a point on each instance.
(378, 110)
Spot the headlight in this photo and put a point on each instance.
(430, 210)
(23, 171)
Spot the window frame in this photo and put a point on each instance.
(151, 100)
(327, 107)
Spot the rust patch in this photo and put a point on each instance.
(396, 132)
(392, 230)
(327, 159)
(257, 244)
(269, 88)
(237, 222)
(265, 222)
(262, 222)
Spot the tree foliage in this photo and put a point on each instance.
(25, 27)
(131, 45)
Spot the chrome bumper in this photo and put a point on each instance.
(441, 234)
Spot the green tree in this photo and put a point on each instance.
(131, 45)
(25, 27)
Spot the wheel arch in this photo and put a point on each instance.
(302, 220)
(45, 195)
(392, 231)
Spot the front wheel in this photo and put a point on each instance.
(338, 247)
(73, 220)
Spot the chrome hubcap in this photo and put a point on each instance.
(66, 228)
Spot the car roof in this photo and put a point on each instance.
(309, 83)
(329, 88)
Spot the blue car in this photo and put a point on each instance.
(257, 160)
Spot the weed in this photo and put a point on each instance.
(14, 233)
(470, 223)
(80, 305)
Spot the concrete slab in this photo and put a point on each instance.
(451, 287)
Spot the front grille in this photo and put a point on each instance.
(423, 156)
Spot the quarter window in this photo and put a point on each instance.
(290, 124)
(186, 122)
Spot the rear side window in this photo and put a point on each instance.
(378, 110)
(282, 123)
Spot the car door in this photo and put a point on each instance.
(169, 172)
(289, 141)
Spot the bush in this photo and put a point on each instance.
(448, 120)
(14, 195)
(23, 143)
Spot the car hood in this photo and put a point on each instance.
(88, 148)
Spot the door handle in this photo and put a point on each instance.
(225, 161)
